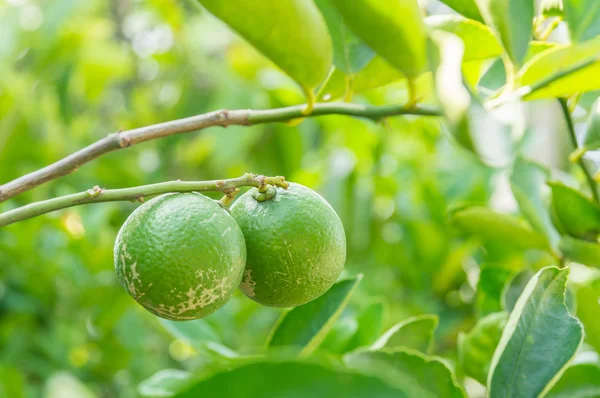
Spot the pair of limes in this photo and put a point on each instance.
(182, 256)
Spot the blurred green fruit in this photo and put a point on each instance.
(296, 246)
(181, 256)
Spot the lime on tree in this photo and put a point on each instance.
(181, 256)
(295, 242)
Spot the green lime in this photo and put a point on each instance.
(181, 256)
(296, 246)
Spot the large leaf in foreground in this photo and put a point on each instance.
(413, 373)
(563, 71)
(512, 20)
(476, 348)
(307, 325)
(539, 340)
(393, 28)
(578, 381)
(290, 380)
(416, 332)
(290, 33)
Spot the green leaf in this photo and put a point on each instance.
(588, 308)
(468, 8)
(512, 21)
(581, 251)
(165, 383)
(476, 348)
(378, 72)
(513, 289)
(415, 374)
(526, 181)
(562, 71)
(416, 333)
(195, 333)
(393, 28)
(577, 214)
(370, 326)
(479, 41)
(492, 226)
(340, 335)
(583, 18)
(290, 379)
(290, 33)
(350, 54)
(307, 325)
(578, 381)
(539, 340)
(491, 284)
(591, 138)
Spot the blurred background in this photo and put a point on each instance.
(73, 71)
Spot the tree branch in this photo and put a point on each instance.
(571, 128)
(224, 118)
(99, 195)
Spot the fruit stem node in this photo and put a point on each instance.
(269, 194)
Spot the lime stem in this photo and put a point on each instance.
(138, 194)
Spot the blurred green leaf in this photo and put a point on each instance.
(307, 325)
(479, 41)
(370, 325)
(476, 348)
(445, 56)
(581, 251)
(513, 289)
(271, 25)
(577, 214)
(289, 379)
(415, 374)
(588, 308)
(583, 18)
(350, 54)
(196, 333)
(539, 340)
(416, 333)
(165, 383)
(579, 381)
(591, 138)
(491, 284)
(492, 226)
(526, 181)
(573, 69)
(12, 382)
(468, 8)
(340, 335)
(393, 28)
(512, 21)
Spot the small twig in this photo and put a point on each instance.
(573, 137)
(99, 195)
(124, 139)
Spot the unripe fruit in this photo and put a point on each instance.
(295, 243)
(181, 256)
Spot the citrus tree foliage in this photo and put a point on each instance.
(472, 231)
